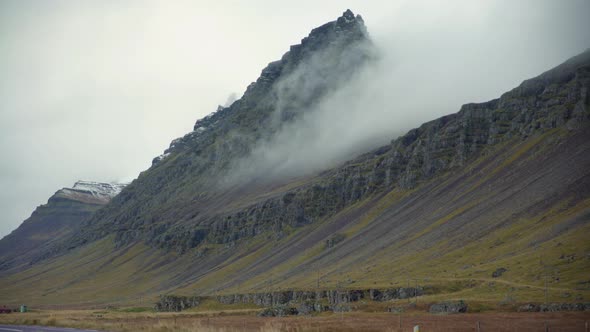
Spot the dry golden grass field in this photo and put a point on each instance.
(246, 320)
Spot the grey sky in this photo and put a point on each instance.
(96, 89)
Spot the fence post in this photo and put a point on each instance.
(478, 327)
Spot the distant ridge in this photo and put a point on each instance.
(62, 215)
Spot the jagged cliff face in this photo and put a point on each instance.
(558, 98)
(191, 174)
(60, 217)
(499, 182)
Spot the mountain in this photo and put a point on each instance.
(62, 215)
(173, 205)
(498, 186)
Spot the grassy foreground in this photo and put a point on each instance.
(137, 319)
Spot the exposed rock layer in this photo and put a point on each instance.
(333, 297)
(176, 303)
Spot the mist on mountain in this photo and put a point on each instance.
(118, 81)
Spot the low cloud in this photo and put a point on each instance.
(230, 99)
(95, 89)
(426, 68)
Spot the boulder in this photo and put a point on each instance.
(280, 311)
(449, 307)
(498, 273)
(529, 307)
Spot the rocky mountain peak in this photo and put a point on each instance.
(194, 167)
(348, 17)
(348, 28)
(302, 76)
(348, 14)
(91, 191)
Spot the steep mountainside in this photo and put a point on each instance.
(63, 214)
(555, 99)
(172, 203)
(496, 185)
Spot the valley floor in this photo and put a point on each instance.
(246, 320)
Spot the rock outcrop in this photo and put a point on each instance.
(91, 192)
(448, 308)
(176, 303)
(280, 311)
(499, 272)
(309, 301)
(553, 307)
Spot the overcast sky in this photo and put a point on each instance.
(95, 89)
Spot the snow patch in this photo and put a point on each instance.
(97, 189)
